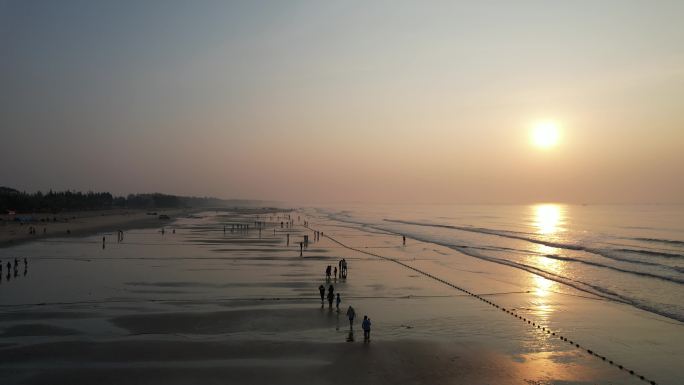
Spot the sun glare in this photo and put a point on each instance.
(545, 134)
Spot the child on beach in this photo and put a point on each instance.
(338, 300)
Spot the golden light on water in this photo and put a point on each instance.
(545, 134)
(548, 218)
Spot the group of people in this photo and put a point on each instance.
(343, 267)
(32, 230)
(365, 324)
(331, 296)
(16, 268)
(331, 271)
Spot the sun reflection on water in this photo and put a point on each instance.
(548, 221)
(548, 218)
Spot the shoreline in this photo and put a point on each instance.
(233, 305)
(84, 223)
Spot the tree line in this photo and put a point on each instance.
(56, 201)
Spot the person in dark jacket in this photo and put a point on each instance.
(366, 326)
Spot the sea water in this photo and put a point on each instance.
(628, 254)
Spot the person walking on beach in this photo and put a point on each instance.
(327, 272)
(321, 289)
(331, 297)
(344, 268)
(351, 314)
(366, 326)
(337, 302)
(335, 272)
(404, 239)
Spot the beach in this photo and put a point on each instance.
(210, 301)
(15, 228)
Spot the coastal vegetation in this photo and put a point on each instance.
(56, 201)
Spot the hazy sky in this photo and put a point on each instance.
(321, 101)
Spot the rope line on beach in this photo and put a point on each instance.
(536, 324)
(217, 300)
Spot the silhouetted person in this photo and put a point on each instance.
(366, 326)
(321, 290)
(351, 314)
(343, 272)
(288, 239)
(331, 298)
(103, 243)
(301, 249)
(404, 239)
(331, 290)
(335, 272)
(327, 272)
(337, 302)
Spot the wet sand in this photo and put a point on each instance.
(204, 306)
(78, 223)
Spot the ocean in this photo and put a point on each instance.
(628, 254)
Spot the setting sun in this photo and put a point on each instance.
(545, 134)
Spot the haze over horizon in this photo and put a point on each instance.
(305, 101)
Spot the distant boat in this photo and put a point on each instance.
(164, 216)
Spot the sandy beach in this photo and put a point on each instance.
(78, 223)
(206, 306)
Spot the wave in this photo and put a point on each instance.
(558, 245)
(498, 233)
(597, 290)
(654, 253)
(657, 240)
(591, 263)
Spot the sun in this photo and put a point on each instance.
(545, 134)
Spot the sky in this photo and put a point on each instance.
(346, 101)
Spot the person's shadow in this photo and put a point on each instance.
(350, 336)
